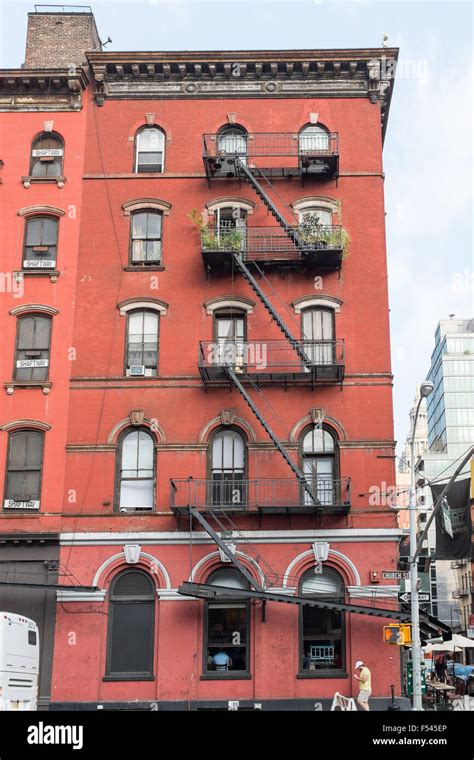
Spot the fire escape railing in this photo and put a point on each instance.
(272, 145)
(272, 356)
(256, 242)
(259, 495)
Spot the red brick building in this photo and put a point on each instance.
(217, 401)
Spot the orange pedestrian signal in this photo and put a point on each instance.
(397, 634)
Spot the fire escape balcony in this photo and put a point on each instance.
(261, 496)
(460, 592)
(319, 248)
(272, 362)
(276, 154)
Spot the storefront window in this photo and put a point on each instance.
(226, 649)
(322, 631)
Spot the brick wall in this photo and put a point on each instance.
(59, 40)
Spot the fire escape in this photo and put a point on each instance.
(286, 362)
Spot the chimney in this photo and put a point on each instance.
(59, 40)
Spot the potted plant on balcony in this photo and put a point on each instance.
(314, 235)
(230, 239)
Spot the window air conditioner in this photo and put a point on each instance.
(136, 370)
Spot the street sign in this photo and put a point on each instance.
(395, 575)
(423, 596)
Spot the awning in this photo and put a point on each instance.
(430, 626)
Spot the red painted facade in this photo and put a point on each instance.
(90, 399)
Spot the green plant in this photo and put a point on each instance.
(227, 239)
(312, 232)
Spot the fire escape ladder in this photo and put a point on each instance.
(224, 547)
(227, 525)
(273, 313)
(249, 177)
(264, 423)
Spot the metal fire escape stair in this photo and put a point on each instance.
(226, 525)
(273, 313)
(250, 177)
(265, 424)
(220, 517)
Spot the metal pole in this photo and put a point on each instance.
(415, 607)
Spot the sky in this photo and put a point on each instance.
(428, 146)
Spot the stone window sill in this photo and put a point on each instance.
(28, 181)
(10, 387)
(138, 268)
(53, 274)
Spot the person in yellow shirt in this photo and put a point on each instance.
(365, 687)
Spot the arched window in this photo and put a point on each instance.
(313, 139)
(136, 471)
(41, 242)
(141, 351)
(319, 454)
(150, 150)
(145, 237)
(230, 224)
(228, 469)
(229, 334)
(131, 629)
(33, 344)
(227, 628)
(317, 333)
(47, 155)
(232, 141)
(322, 632)
(315, 215)
(24, 468)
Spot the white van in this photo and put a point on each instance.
(19, 662)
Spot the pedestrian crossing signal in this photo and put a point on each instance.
(397, 634)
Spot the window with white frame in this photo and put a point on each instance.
(150, 150)
(141, 352)
(228, 468)
(136, 474)
(313, 139)
(145, 237)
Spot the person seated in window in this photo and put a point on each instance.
(222, 661)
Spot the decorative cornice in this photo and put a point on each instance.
(367, 72)
(221, 420)
(25, 424)
(229, 200)
(229, 302)
(142, 302)
(32, 210)
(146, 203)
(33, 308)
(316, 300)
(42, 89)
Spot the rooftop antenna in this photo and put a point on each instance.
(451, 316)
(385, 40)
(107, 42)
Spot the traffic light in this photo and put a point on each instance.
(392, 634)
(397, 633)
